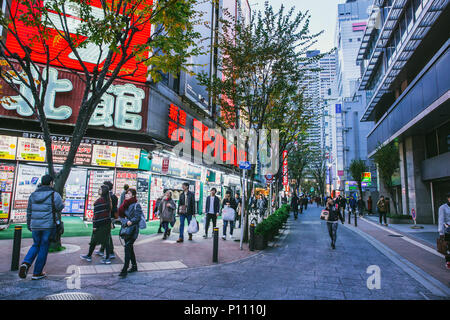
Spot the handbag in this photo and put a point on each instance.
(126, 231)
(228, 214)
(441, 245)
(183, 209)
(324, 215)
(59, 230)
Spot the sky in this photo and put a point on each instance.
(323, 17)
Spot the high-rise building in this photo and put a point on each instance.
(348, 103)
(405, 72)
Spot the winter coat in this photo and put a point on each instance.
(294, 203)
(334, 214)
(381, 205)
(352, 203)
(133, 213)
(102, 213)
(39, 210)
(444, 217)
(190, 203)
(166, 214)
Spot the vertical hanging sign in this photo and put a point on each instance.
(285, 169)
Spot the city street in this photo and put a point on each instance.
(301, 265)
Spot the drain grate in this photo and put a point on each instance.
(395, 235)
(71, 296)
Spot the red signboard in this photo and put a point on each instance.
(165, 165)
(285, 169)
(60, 53)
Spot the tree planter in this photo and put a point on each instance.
(399, 221)
(260, 242)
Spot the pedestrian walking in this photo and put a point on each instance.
(369, 204)
(305, 203)
(101, 225)
(212, 210)
(294, 205)
(444, 228)
(341, 202)
(122, 195)
(228, 202)
(352, 205)
(334, 215)
(43, 213)
(130, 214)
(381, 208)
(239, 209)
(157, 213)
(261, 204)
(114, 216)
(186, 209)
(166, 209)
(361, 206)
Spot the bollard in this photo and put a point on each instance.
(16, 248)
(252, 237)
(215, 244)
(356, 223)
(349, 217)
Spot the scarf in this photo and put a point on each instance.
(125, 206)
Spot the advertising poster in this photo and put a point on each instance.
(197, 190)
(143, 188)
(30, 149)
(156, 191)
(175, 167)
(95, 180)
(194, 173)
(28, 178)
(157, 164)
(104, 156)
(60, 150)
(123, 178)
(8, 147)
(6, 184)
(128, 158)
(75, 192)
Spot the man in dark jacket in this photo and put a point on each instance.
(42, 225)
(114, 203)
(186, 209)
(212, 209)
(361, 206)
(231, 202)
(294, 204)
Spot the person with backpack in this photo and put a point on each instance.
(114, 202)
(101, 225)
(43, 213)
(130, 215)
(166, 209)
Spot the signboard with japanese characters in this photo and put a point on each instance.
(6, 183)
(30, 149)
(157, 164)
(128, 157)
(60, 150)
(104, 156)
(95, 180)
(122, 107)
(8, 147)
(285, 169)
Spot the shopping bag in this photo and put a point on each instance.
(324, 215)
(176, 226)
(193, 226)
(228, 214)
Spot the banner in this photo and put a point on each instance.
(285, 169)
(104, 156)
(30, 149)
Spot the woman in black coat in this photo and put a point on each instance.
(332, 222)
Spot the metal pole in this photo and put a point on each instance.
(244, 189)
(349, 216)
(270, 201)
(215, 244)
(356, 219)
(16, 248)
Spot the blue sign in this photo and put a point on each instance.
(338, 108)
(245, 165)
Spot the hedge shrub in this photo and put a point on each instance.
(269, 227)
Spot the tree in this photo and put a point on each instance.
(261, 67)
(357, 168)
(299, 158)
(318, 170)
(387, 160)
(108, 29)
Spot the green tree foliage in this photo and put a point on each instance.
(298, 159)
(387, 160)
(357, 168)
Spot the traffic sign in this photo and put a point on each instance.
(269, 177)
(245, 165)
(413, 214)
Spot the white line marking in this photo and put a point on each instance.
(418, 244)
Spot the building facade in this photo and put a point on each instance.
(405, 72)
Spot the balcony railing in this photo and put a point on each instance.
(431, 83)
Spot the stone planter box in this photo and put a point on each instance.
(399, 221)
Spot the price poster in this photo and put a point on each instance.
(128, 157)
(60, 150)
(157, 164)
(8, 147)
(75, 192)
(28, 178)
(104, 156)
(6, 184)
(95, 180)
(123, 178)
(30, 149)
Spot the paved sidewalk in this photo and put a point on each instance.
(152, 253)
(302, 266)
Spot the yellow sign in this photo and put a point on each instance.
(30, 149)
(8, 147)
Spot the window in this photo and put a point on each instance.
(359, 39)
(417, 7)
(350, 40)
(443, 136)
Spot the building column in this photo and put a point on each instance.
(418, 192)
(403, 177)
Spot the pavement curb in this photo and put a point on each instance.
(432, 284)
